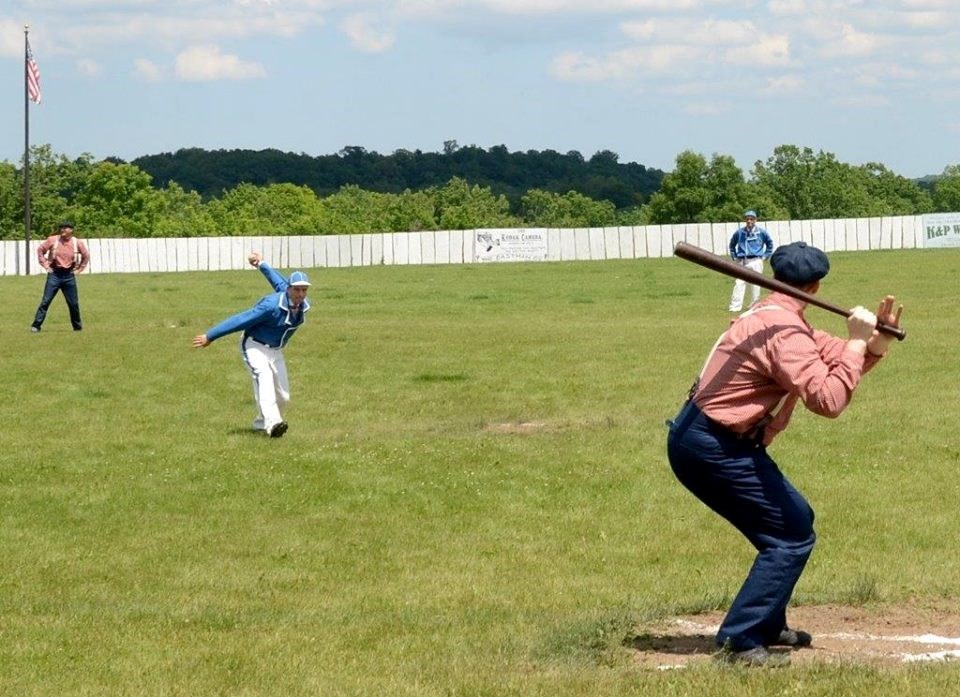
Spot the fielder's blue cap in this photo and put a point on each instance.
(298, 279)
(750, 214)
(798, 264)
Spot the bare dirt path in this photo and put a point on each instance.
(896, 634)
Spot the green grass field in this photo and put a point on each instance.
(473, 497)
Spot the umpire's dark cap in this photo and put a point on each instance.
(799, 264)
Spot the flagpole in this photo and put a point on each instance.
(26, 150)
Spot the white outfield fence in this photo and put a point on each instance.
(110, 255)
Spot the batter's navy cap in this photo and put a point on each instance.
(298, 279)
(798, 264)
(750, 214)
(64, 223)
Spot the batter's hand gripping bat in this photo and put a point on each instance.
(724, 266)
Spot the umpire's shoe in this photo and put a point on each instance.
(278, 429)
(758, 657)
(794, 638)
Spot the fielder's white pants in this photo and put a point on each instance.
(271, 388)
(739, 287)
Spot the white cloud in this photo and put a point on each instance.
(201, 63)
(426, 8)
(773, 50)
(861, 100)
(787, 7)
(640, 60)
(883, 74)
(364, 34)
(783, 84)
(691, 31)
(574, 66)
(11, 38)
(88, 67)
(148, 70)
(707, 108)
(851, 43)
(930, 4)
(925, 20)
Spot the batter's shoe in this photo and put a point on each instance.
(794, 638)
(278, 429)
(758, 657)
(35, 330)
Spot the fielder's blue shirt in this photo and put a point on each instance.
(270, 321)
(755, 243)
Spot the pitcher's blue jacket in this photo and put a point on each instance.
(751, 244)
(270, 321)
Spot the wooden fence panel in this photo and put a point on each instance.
(428, 248)
(611, 242)
(581, 238)
(568, 244)
(401, 248)
(625, 242)
(596, 246)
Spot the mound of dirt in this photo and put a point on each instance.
(891, 635)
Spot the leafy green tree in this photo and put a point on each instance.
(946, 191)
(294, 210)
(11, 202)
(816, 185)
(459, 206)
(410, 211)
(54, 181)
(354, 210)
(698, 191)
(182, 214)
(546, 209)
(892, 194)
(277, 209)
(116, 200)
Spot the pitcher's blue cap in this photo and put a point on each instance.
(750, 214)
(798, 264)
(298, 279)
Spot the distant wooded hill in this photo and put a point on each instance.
(602, 176)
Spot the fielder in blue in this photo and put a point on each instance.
(749, 246)
(267, 327)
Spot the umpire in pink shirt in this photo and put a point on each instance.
(768, 360)
(63, 256)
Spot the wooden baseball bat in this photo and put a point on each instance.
(724, 266)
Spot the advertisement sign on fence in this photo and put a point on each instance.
(941, 230)
(511, 245)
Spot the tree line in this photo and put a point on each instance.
(112, 198)
(601, 177)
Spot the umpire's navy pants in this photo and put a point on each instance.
(737, 479)
(60, 280)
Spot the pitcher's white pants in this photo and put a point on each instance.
(271, 389)
(739, 287)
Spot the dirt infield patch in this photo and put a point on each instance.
(891, 635)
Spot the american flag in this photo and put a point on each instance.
(33, 76)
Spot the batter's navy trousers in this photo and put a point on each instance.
(60, 280)
(735, 477)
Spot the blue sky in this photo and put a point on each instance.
(868, 80)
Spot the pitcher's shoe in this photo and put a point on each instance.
(278, 429)
(757, 657)
(794, 638)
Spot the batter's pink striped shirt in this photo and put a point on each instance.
(771, 354)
